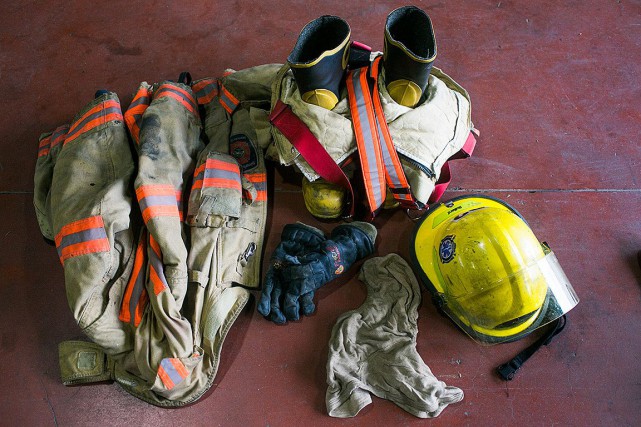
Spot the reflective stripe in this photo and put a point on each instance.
(135, 298)
(379, 159)
(394, 174)
(59, 135)
(158, 200)
(205, 90)
(43, 147)
(218, 174)
(172, 372)
(82, 237)
(52, 140)
(133, 115)
(260, 185)
(180, 95)
(102, 113)
(227, 100)
(156, 268)
(365, 129)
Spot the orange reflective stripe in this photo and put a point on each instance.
(100, 114)
(227, 100)
(164, 377)
(394, 173)
(217, 164)
(135, 297)
(78, 226)
(172, 371)
(179, 94)
(56, 137)
(217, 173)
(223, 165)
(43, 147)
(154, 246)
(59, 135)
(133, 115)
(260, 185)
(45, 142)
(256, 177)
(155, 190)
(156, 267)
(205, 90)
(82, 237)
(160, 211)
(84, 248)
(369, 149)
(158, 200)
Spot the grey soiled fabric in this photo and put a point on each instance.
(373, 348)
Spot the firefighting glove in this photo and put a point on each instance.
(304, 261)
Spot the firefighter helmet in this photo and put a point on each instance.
(487, 271)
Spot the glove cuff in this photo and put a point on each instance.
(303, 233)
(361, 227)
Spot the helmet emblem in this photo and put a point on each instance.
(446, 249)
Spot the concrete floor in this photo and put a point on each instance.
(555, 90)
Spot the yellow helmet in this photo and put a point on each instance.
(487, 271)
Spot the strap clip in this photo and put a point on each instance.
(508, 370)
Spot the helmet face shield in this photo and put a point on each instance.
(512, 307)
(487, 270)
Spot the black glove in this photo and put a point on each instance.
(304, 261)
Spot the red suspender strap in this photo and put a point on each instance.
(441, 185)
(446, 176)
(299, 135)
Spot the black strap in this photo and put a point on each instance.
(508, 370)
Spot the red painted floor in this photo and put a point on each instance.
(555, 90)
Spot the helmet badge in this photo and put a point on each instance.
(446, 249)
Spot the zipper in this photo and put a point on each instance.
(416, 164)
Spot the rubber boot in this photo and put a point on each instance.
(409, 52)
(319, 61)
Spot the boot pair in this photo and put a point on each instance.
(320, 57)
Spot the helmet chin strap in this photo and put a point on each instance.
(508, 370)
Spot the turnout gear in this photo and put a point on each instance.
(373, 349)
(228, 206)
(167, 144)
(403, 151)
(487, 271)
(409, 53)
(83, 200)
(304, 261)
(152, 286)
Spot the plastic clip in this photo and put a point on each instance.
(508, 370)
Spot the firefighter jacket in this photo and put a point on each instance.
(154, 246)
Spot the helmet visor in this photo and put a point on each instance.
(511, 307)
